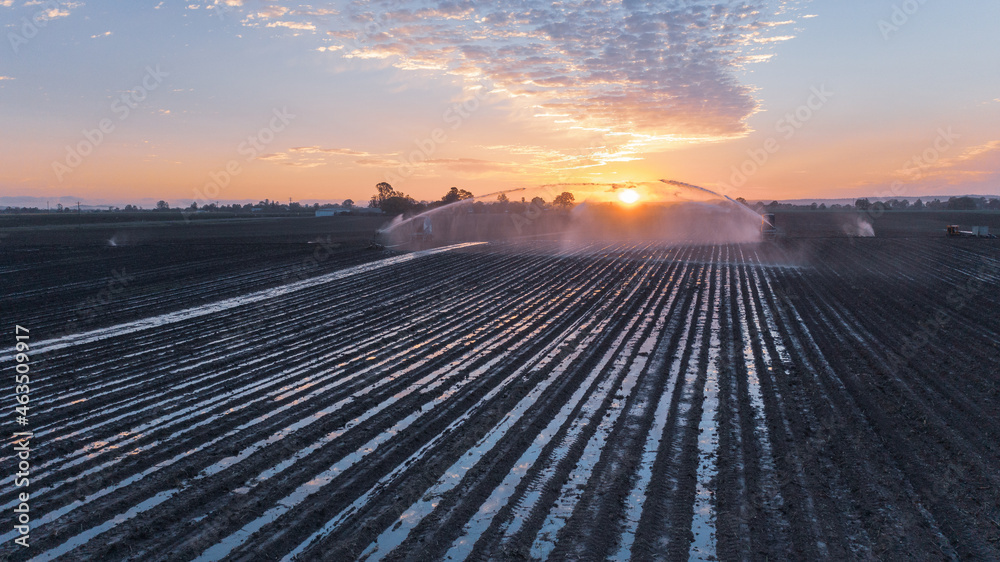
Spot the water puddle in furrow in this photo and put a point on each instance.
(164, 495)
(528, 502)
(395, 535)
(224, 463)
(637, 497)
(138, 509)
(86, 536)
(158, 422)
(703, 522)
(855, 534)
(774, 501)
(697, 317)
(233, 541)
(548, 355)
(420, 453)
(141, 380)
(217, 375)
(572, 490)
(431, 381)
(482, 519)
(179, 416)
(179, 316)
(783, 370)
(427, 384)
(200, 407)
(57, 400)
(509, 334)
(435, 377)
(56, 514)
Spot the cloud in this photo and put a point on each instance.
(316, 12)
(6, 78)
(53, 13)
(314, 156)
(273, 156)
(50, 9)
(974, 164)
(378, 162)
(303, 26)
(318, 150)
(272, 12)
(974, 152)
(656, 68)
(630, 77)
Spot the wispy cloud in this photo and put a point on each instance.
(53, 13)
(659, 68)
(654, 68)
(974, 164)
(315, 156)
(319, 150)
(301, 26)
(633, 77)
(272, 12)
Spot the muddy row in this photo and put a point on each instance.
(817, 400)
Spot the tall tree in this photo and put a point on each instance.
(391, 202)
(456, 194)
(383, 191)
(564, 200)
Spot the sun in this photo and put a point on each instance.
(628, 196)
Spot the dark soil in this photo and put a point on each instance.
(837, 398)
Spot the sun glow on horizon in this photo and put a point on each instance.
(628, 196)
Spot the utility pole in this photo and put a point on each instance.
(78, 210)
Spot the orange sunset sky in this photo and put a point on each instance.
(116, 103)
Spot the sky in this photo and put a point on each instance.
(242, 100)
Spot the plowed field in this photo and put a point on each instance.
(814, 399)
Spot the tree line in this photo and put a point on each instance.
(864, 204)
(393, 202)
